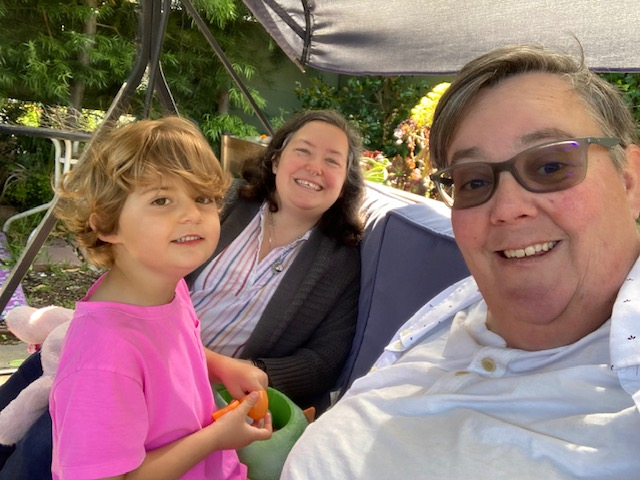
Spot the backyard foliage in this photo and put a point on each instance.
(73, 56)
(61, 60)
(78, 54)
(629, 84)
(376, 104)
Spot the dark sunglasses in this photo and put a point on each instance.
(541, 169)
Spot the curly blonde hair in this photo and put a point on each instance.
(123, 159)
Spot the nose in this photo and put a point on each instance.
(190, 212)
(314, 166)
(511, 201)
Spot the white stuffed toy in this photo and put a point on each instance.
(35, 326)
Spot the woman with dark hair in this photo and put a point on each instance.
(282, 287)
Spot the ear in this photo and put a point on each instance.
(108, 238)
(631, 175)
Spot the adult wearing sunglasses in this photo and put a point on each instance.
(530, 368)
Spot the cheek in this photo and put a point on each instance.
(216, 228)
(289, 163)
(336, 179)
(214, 218)
(469, 228)
(586, 205)
(287, 168)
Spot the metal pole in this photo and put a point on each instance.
(227, 65)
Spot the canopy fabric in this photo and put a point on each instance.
(424, 37)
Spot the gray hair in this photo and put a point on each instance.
(602, 99)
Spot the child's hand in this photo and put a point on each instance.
(238, 376)
(258, 411)
(244, 377)
(232, 430)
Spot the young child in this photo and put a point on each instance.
(132, 395)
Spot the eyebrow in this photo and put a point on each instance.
(154, 188)
(310, 144)
(550, 134)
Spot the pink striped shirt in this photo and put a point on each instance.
(231, 293)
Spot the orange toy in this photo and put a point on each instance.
(258, 411)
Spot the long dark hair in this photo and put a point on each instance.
(342, 221)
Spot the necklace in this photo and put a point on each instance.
(278, 265)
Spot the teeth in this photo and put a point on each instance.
(530, 250)
(310, 185)
(188, 238)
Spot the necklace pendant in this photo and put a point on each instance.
(277, 267)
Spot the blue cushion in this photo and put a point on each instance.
(408, 256)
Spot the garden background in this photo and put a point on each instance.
(62, 63)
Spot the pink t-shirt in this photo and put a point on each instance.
(131, 379)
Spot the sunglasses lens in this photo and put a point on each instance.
(467, 185)
(549, 168)
(552, 168)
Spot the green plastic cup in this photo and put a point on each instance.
(265, 459)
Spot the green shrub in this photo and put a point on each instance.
(376, 104)
(28, 172)
(214, 126)
(629, 84)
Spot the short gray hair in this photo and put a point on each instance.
(602, 99)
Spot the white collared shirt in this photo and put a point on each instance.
(449, 400)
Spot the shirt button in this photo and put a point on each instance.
(461, 372)
(488, 364)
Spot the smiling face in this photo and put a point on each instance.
(312, 169)
(549, 265)
(165, 229)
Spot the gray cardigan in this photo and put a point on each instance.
(306, 330)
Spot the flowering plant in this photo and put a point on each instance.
(414, 132)
(375, 166)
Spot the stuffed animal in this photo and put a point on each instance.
(47, 327)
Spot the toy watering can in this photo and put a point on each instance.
(265, 459)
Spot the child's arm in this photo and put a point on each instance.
(238, 376)
(229, 432)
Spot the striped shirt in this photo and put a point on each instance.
(231, 293)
